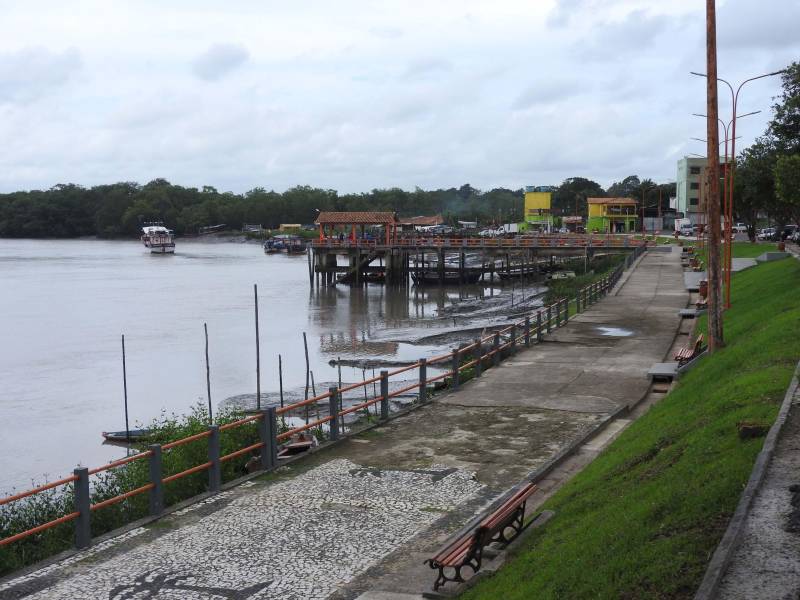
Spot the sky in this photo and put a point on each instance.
(360, 94)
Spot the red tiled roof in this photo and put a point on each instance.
(611, 201)
(355, 218)
(424, 221)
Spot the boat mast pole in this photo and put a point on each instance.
(258, 353)
(208, 377)
(125, 391)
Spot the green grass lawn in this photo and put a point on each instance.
(643, 519)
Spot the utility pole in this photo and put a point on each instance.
(715, 339)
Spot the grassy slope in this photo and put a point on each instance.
(643, 519)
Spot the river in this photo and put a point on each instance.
(64, 305)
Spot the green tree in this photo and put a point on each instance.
(754, 185)
(570, 197)
(785, 124)
(787, 184)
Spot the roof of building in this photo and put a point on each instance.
(356, 218)
(611, 201)
(422, 221)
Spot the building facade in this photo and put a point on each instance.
(612, 215)
(689, 204)
(538, 213)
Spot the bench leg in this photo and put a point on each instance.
(473, 562)
(516, 524)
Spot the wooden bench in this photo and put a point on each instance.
(687, 353)
(466, 548)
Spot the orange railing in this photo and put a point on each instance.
(533, 326)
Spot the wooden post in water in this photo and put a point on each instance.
(308, 370)
(125, 392)
(208, 377)
(258, 352)
(310, 268)
(280, 378)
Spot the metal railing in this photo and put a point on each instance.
(484, 352)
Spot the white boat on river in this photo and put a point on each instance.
(158, 238)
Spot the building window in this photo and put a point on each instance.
(694, 170)
(693, 201)
(694, 185)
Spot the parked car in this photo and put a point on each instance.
(766, 233)
(687, 230)
(490, 232)
(787, 233)
(740, 228)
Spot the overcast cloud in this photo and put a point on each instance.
(357, 94)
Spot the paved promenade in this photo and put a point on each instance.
(361, 516)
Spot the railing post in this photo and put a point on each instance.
(83, 525)
(384, 395)
(214, 471)
(454, 378)
(157, 491)
(496, 348)
(549, 318)
(513, 339)
(333, 408)
(539, 335)
(578, 302)
(527, 331)
(270, 456)
(263, 435)
(478, 357)
(423, 379)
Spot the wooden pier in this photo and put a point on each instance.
(441, 260)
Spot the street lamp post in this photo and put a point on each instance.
(729, 199)
(644, 191)
(727, 195)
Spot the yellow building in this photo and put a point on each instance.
(538, 208)
(612, 215)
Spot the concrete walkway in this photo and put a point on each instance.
(361, 516)
(766, 563)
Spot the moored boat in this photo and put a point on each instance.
(134, 435)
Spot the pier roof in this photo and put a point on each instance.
(611, 201)
(356, 218)
(422, 221)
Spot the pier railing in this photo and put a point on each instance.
(543, 241)
(471, 359)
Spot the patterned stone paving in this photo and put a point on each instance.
(296, 539)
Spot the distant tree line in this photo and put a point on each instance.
(767, 181)
(117, 210)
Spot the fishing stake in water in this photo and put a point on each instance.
(258, 353)
(125, 391)
(208, 377)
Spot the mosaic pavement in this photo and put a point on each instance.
(296, 539)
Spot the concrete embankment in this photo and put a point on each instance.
(362, 515)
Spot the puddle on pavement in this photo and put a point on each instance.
(615, 331)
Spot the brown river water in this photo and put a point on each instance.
(64, 305)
